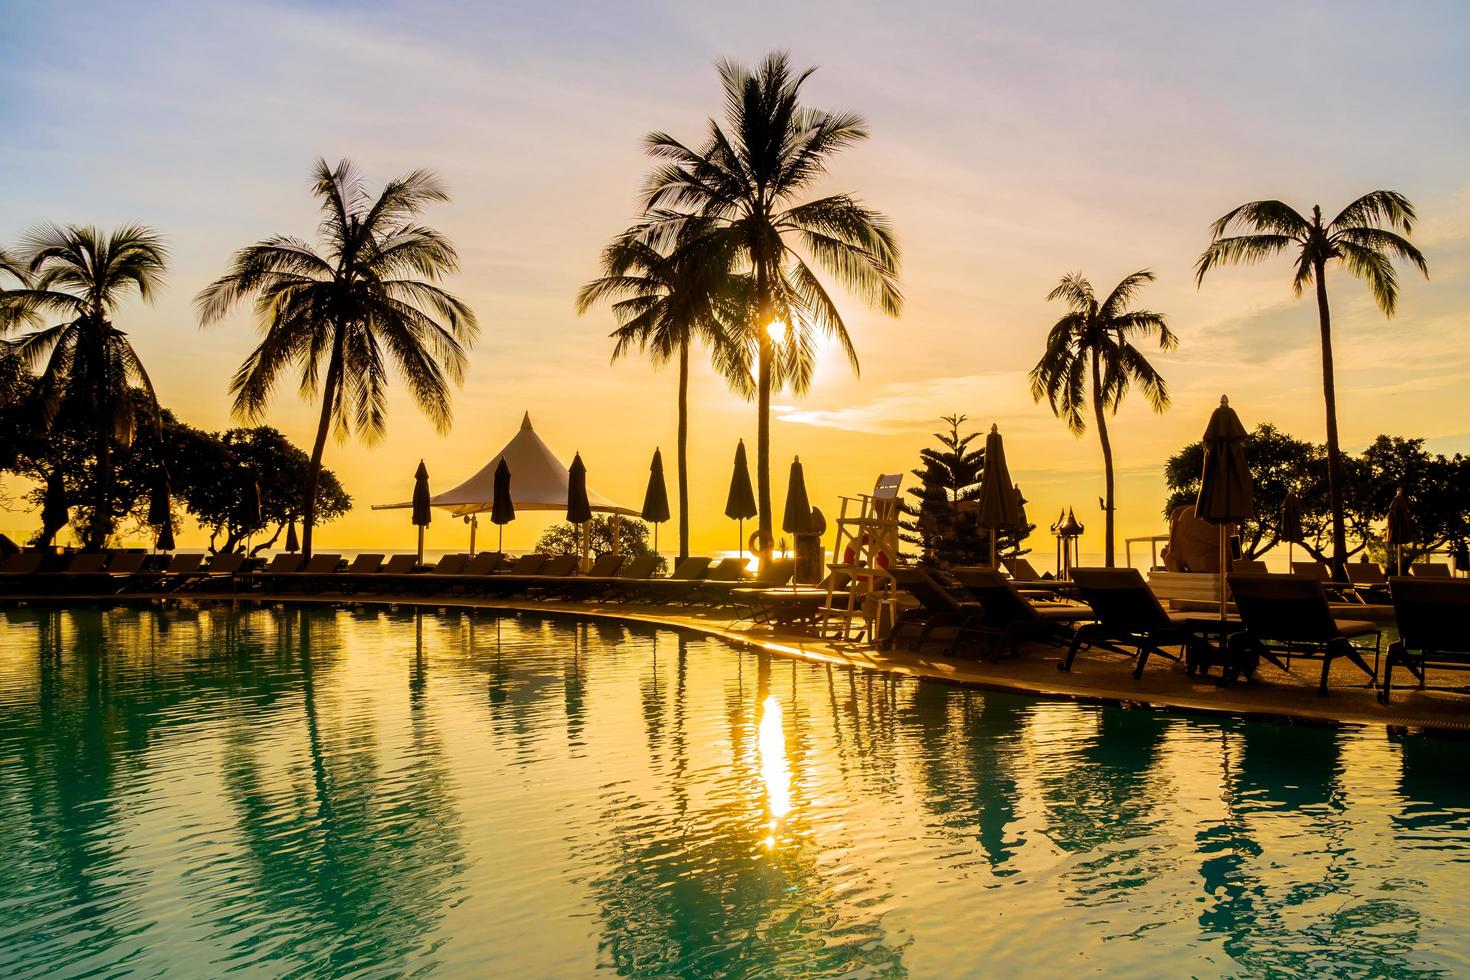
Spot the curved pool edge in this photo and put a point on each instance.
(1097, 678)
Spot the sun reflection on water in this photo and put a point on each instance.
(775, 770)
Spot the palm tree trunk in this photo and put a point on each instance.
(101, 526)
(313, 472)
(1334, 456)
(763, 399)
(684, 449)
(1107, 451)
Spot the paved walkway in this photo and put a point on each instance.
(1097, 675)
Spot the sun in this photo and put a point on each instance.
(778, 331)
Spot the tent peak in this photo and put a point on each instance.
(526, 421)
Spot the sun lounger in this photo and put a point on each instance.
(1431, 569)
(179, 570)
(1434, 629)
(222, 568)
(1022, 570)
(683, 580)
(636, 569)
(1318, 571)
(1287, 615)
(1010, 618)
(942, 605)
(717, 592)
(1249, 566)
(799, 606)
(1128, 616)
(1368, 580)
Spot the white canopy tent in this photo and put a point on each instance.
(538, 481)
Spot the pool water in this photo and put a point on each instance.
(321, 793)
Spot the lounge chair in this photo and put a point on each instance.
(1287, 616)
(1022, 570)
(942, 605)
(1010, 618)
(774, 573)
(1368, 580)
(1434, 629)
(1249, 566)
(1128, 616)
(683, 580)
(1319, 572)
(1431, 569)
(180, 569)
(267, 579)
(634, 570)
(222, 568)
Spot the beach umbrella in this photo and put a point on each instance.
(423, 513)
(579, 510)
(1225, 493)
(798, 516)
(1290, 529)
(1401, 529)
(740, 504)
(656, 497)
(1461, 556)
(248, 516)
(998, 507)
(502, 509)
(54, 514)
(293, 545)
(165, 540)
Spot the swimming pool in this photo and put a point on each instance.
(323, 792)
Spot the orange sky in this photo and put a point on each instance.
(1009, 147)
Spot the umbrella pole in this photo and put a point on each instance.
(501, 546)
(992, 547)
(474, 524)
(740, 525)
(421, 544)
(1224, 550)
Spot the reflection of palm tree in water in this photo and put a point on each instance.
(1103, 793)
(699, 891)
(348, 869)
(970, 773)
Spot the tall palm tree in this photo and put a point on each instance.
(368, 296)
(1092, 355)
(80, 276)
(1364, 238)
(664, 303)
(13, 269)
(745, 185)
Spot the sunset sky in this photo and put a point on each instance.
(1011, 144)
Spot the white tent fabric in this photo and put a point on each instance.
(538, 481)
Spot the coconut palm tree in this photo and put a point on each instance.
(13, 269)
(79, 276)
(1092, 356)
(367, 297)
(664, 304)
(1364, 238)
(746, 185)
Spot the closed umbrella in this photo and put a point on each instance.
(423, 513)
(1225, 494)
(1462, 557)
(165, 540)
(502, 509)
(54, 514)
(998, 507)
(1290, 530)
(579, 510)
(798, 516)
(1401, 528)
(293, 544)
(740, 504)
(656, 497)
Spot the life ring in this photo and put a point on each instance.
(853, 552)
(761, 542)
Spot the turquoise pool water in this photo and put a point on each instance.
(320, 793)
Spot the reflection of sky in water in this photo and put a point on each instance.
(324, 792)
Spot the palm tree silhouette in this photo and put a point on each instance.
(742, 185)
(81, 275)
(1092, 348)
(1363, 238)
(14, 269)
(664, 303)
(370, 295)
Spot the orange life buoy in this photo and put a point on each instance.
(853, 551)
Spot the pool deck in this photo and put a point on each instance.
(1097, 675)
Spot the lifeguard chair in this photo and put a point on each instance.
(860, 594)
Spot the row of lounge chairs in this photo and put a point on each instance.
(695, 581)
(1280, 618)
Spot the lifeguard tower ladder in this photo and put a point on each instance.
(866, 544)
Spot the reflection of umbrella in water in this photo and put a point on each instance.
(423, 514)
(740, 503)
(1401, 529)
(502, 508)
(998, 507)
(1225, 494)
(656, 498)
(1290, 530)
